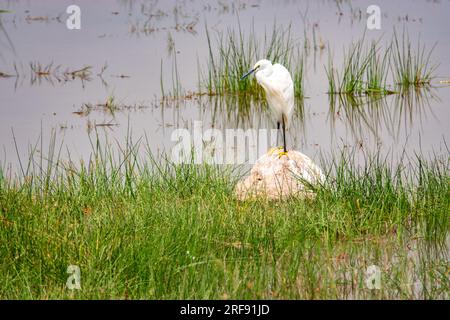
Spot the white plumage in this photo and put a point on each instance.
(279, 87)
(277, 83)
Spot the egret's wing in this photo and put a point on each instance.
(282, 78)
(281, 88)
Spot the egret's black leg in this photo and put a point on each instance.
(284, 133)
(278, 130)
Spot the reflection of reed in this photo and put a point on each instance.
(414, 104)
(40, 74)
(243, 111)
(353, 110)
(371, 114)
(5, 34)
(227, 112)
(52, 74)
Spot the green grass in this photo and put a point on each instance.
(235, 53)
(377, 71)
(411, 67)
(366, 69)
(150, 229)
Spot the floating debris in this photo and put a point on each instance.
(5, 75)
(30, 19)
(121, 76)
(109, 106)
(106, 125)
(51, 73)
(83, 73)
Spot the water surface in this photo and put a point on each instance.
(133, 38)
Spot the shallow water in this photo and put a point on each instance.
(133, 38)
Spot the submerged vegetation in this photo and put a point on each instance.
(152, 229)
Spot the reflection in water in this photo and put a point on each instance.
(39, 74)
(245, 112)
(373, 114)
(386, 120)
(4, 34)
(411, 267)
(53, 75)
(414, 103)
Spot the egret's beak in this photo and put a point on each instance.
(247, 74)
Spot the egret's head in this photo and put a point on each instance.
(260, 66)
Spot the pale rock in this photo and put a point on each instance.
(277, 176)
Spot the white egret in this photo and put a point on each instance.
(279, 88)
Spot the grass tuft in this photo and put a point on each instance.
(365, 69)
(364, 72)
(141, 228)
(237, 53)
(411, 67)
